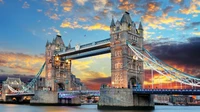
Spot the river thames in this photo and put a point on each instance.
(89, 108)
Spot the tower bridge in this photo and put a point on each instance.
(128, 58)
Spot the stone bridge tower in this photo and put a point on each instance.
(58, 69)
(125, 70)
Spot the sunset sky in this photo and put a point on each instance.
(171, 33)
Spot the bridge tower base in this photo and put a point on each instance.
(50, 98)
(124, 99)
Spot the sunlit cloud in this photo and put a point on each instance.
(196, 33)
(125, 5)
(21, 63)
(67, 5)
(73, 25)
(153, 7)
(192, 9)
(97, 26)
(81, 2)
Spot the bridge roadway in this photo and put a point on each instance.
(69, 94)
(90, 49)
(167, 91)
(20, 94)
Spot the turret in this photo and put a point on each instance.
(112, 25)
(47, 44)
(126, 21)
(140, 29)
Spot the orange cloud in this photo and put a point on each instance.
(97, 26)
(67, 5)
(21, 63)
(125, 5)
(192, 9)
(67, 24)
(156, 22)
(152, 7)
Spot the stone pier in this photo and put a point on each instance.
(124, 99)
(51, 98)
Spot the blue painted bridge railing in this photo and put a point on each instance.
(167, 91)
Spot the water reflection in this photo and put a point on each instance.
(89, 108)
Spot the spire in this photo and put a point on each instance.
(53, 42)
(126, 18)
(69, 45)
(140, 26)
(112, 23)
(47, 43)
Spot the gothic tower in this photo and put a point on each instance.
(57, 68)
(126, 72)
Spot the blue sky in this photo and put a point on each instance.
(26, 25)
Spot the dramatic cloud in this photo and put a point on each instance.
(125, 5)
(73, 25)
(152, 7)
(156, 22)
(21, 63)
(67, 24)
(167, 10)
(98, 26)
(192, 25)
(25, 5)
(97, 82)
(192, 9)
(185, 54)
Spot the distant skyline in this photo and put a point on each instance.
(171, 32)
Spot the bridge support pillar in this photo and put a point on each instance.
(124, 99)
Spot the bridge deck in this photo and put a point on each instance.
(87, 47)
(167, 91)
(20, 94)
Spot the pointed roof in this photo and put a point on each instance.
(126, 18)
(140, 26)
(59, 40)
(112, 23)
(53, 42)
(47, 43)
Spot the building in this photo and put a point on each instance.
(161, 99)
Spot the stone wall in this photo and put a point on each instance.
(116, 97)
(45, 97)
(121, 98)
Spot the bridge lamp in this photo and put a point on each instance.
(135, 57)
(113, 83)
(57, 58)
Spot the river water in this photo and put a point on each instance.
(88, 108)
